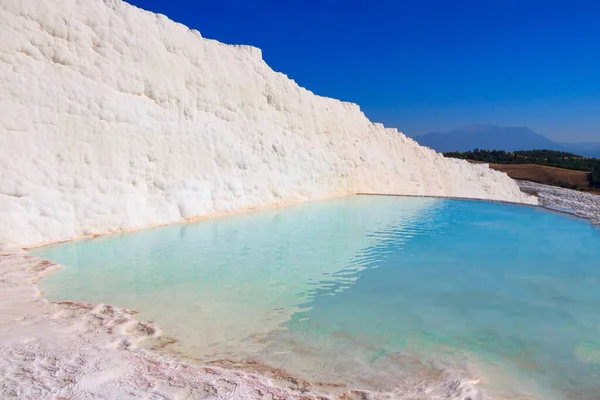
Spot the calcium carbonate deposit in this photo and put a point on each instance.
(581, 204)
(114, 118)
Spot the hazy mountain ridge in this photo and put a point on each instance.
(500, 138)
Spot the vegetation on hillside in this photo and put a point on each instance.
(549, 158)
(595, 177)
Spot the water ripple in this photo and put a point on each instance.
(382, 291)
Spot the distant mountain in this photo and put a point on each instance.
(586, 149)
(500, 138)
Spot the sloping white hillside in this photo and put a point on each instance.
(115, 118)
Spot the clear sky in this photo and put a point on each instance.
(425, 65)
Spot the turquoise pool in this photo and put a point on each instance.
(412, 295)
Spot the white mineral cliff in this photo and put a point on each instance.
(115, 118)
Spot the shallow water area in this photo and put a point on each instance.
(394, 294)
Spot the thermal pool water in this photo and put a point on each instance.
(416, 296)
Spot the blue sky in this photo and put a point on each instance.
(426, 65)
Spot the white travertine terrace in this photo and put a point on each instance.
(581, 204)
(85, 351)
(81, 351)
(114, 118)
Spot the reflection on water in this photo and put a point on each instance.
(381, 292)
(216, 282)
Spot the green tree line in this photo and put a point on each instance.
(595, 177)
(549, 158)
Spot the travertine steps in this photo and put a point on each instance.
(115, 118)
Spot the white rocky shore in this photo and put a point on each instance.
(114, 118)
(69, 351)
(581, 204)
(85, 351)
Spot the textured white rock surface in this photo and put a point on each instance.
(115, 118)
(584, 205)
(85, 351)
(68, 351)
